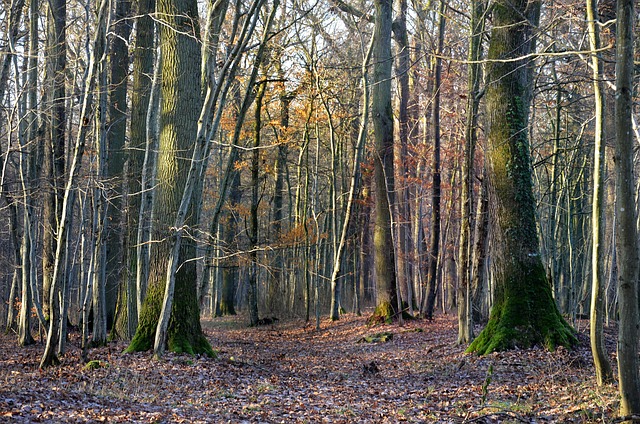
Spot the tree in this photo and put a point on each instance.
(604, 374)
(436, 198)
(143, 58)
(54, 163)
(382, 113)
(524, 312)
(465, 313)
(626, 215)
(119, 253)
(67, 196)
(180, 104)
(28, 174)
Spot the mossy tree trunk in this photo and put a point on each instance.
(179, 108)
(524, 312)
(382, 113)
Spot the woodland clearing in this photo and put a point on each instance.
(290, 373)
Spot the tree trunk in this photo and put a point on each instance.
(68, 194)
(230, 234)
(434, 240)
(524, 313)
(382, 113)
(139, 153)
(479, 284)
(465, 313)
(402, 183)
(626, 207)
(28, 175)
(120, 309)
(100, 219)
(53, 167)
(171, 303)
(604, 374)
(252, 297)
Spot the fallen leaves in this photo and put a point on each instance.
(285, 373)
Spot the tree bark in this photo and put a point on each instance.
(465, 313)
(382, 116)
(434, 239)
(604, 374)
(120, 309)
(524, 313)
(137, 148)
(626, 210)
(54, 164)
(170, 314)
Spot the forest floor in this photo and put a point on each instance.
(291, 373)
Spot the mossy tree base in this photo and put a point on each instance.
(525, 317)
(383, 314)
(177, 343)
(184, 334)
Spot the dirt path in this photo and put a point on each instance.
(291, 373)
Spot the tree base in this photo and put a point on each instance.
(383, 314)
(178, 342)
(509, 328)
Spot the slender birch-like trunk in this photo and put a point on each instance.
(604, 374)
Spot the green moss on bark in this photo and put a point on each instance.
(523, 316)
(383, 314)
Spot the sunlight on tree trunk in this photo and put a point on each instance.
(524, 312)
(181, 104)
(604, 374)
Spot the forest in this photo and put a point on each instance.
(319, 210)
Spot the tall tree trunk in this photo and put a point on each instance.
(626, 210)
(465, 313)
(252, 294)
(120, 309)
(28, 177)
(68, 194)
(99, 302)
(382, 113)
(170, 314)
(54, 154)
(604, 374)
(434, 239)
(137, 147)
(524, 312)
(402, 203)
